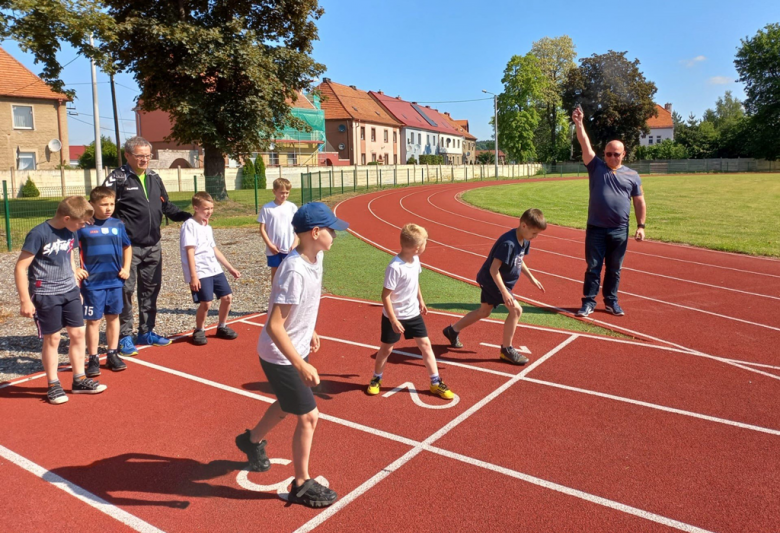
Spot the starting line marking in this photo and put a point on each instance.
(80, 493)
(416, 397)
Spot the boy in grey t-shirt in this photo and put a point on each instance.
(46, 279)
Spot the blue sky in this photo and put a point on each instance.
(436, 51)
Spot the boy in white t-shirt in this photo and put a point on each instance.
(284, 345)
(276, 229)
(403, 308)
(200, 259)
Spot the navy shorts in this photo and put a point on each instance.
(293, 394)
(414, 328)
(210, 286)
(491, 295)
(98, 302)
(275, 260)
(56, 311)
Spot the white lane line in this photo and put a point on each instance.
(80, 493)
(598, 500)
(751, 369)
(395, 465)
(659, 407)
(753, 364)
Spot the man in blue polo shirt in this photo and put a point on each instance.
(613, 187)
(106, 255)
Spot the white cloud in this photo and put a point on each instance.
(691, 62)
(720, 80)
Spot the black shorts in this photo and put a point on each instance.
(491, 295)
(414, 328)
(56, 311)
(210, 286)
(293, 395)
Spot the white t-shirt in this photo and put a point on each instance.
(403, 279)
(299, 283)
(278, 225)
(193, 233)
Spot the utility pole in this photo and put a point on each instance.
(116, 123)
(96, 121)
(495, 124)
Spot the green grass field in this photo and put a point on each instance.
(731, 212)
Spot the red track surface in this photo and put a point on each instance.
(595, 434)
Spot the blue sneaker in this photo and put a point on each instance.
(126, 346)
(614, 308)
(151, 339)
(586, 309)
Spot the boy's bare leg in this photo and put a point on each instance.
(224, 308)
(49, 356)
(429, 359)
(381, 357)
(76, 351)
(112, 332)
(200, 315)
(272, 416)
(93, 336)
(510, 324)
(483, 311)
(302, 439)
(273, 273)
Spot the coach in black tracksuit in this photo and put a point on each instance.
(141, 201)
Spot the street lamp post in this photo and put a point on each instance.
(495, 124)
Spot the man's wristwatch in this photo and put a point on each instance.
(640, 226)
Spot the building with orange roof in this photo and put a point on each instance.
(33, 119)
(469, 141)
(661, 127)
(357, 127)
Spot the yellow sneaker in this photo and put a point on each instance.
(442, 390)
(374, 386)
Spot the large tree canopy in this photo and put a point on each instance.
(518, 106)
(615, 96)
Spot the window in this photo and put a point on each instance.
(658, 140)
(342, 128)
(373, 158)
(411, 139)
(419, 138)
(373, 135)
(395, 159)
(395, 137)
(458, 143)
(273, 159)
(362, 159)
(427, 139)
(386, 159)
(26, 161)
(292, 159)
(362, 133)
(386, 136)
(650, 140)
(448, 142)
(23, 117)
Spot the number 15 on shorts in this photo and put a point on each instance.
(89, 310)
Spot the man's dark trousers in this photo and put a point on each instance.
(146, 272)
(603, 246)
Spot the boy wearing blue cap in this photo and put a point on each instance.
(284, 345)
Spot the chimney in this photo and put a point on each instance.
(380, 92)
(326, 80)
(415, 103)
(447, 113)
(353, 87)
(668, 107)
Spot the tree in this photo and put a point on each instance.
(486, 158)
(555, 58)
(727, 110)
(666, 149)
(518, 105)
(260, 171)
(29, 190)
(248, 174)
(107, 148)
(615, 96)
(758, 65)
(699, 138)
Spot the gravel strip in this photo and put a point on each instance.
(20, 348)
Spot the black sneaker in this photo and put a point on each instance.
(312, 494)
(255, 452)
(226, 333)
(114, 362)
(55, 395)
(513, 356)
(93, 366)
(87, 386)
(199, 337)
(452, 336)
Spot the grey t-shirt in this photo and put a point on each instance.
(50, 271)
(610, 194)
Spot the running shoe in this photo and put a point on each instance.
(311, 494)
(55, 395)
(226, 333)
(126, 347)
(452, 336)
(614, 308)
(87, 386)
(255, 452)
(442, 390)
(114, 362)
(586, 309)
(151, 339)
(93, 366)
(199, 337)
(374, 386)
(513, 356)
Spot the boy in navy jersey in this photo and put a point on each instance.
(106, 255)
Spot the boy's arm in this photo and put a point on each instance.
(423, 307)
(527, 272)
(221, 258)
(279, 336)
(75, 263)
(388, 305)
(267, 239)
(509, 300)
(127, 262)
(194, 280)
(27, 309)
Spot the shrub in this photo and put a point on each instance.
(29, 190)
(411, 160)
(260, 171)
(248, 175)
(374, 163)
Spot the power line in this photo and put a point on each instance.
(90, 124)
(457, 101)
(101, 116)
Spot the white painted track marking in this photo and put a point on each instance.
(416, 397)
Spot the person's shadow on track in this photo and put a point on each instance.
(154, 474)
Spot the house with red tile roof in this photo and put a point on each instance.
(469, 141)
(33, 119)
(357, 127)
(76, 151)
(661, 127)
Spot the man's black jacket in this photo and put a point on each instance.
(142, 217)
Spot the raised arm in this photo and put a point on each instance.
(587, 151)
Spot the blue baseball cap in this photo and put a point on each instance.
(316, 215)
